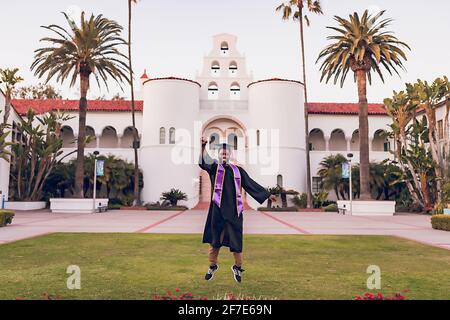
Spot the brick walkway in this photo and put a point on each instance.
(414, 227)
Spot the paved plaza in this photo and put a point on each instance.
(410, 226)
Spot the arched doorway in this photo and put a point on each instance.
(219, 130)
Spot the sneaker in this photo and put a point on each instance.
(237, 273)
(210, 274)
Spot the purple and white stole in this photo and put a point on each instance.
(218, 186)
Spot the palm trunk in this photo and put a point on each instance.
(364, 136)
(416, 193)
(308, 161)
(446, 137)
(434, 146)
(137, 198)
(79, 170)
(7, 107)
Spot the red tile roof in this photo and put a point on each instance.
(343, 108)
(41, 106)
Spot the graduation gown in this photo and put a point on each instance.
(225, 218)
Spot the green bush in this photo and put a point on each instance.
(164, 207)
(331, 208)
(278, 209)
(300, 200)
(6, 217)
(173, 196)
(441, 222)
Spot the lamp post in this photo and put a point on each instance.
(96, 153)
(350, 156)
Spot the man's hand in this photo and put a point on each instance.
(204, 141)
(273, 198)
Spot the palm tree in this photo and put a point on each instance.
(137, 198)
(294, 9)
(91, 48)
(330, 172)
(362, 45)
(9, 79)
(4, 152)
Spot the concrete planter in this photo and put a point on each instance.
(25, 205)
(76, 205)
(369, 208)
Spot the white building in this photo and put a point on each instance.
(264, 120)
(4, 165)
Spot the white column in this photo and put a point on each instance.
(97, 140)
(349, 143)
(327, 143)
(119, 140)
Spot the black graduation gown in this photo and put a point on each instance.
(226, 218)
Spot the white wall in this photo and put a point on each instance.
(5, 165)
(276, 107)
(169, 103)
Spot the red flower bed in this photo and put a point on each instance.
(380, 296)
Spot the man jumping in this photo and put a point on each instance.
(224, 225)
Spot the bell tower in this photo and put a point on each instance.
(224, 76)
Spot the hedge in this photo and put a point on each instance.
(278, 209)
(331, 208)
(166, 208)
(6, 217)
(441, 222)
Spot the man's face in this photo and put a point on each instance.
(224, 155)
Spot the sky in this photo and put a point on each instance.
(172, 37)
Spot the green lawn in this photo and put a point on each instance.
(137, 266)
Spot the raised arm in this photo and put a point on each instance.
(258, 192)
(205, 161)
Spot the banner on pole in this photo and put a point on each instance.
(346, 170)
(100, 168)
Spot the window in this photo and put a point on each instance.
(258, 138)
(280, 180)
(162, 136)
(215, 69)
(233, 69)
(213, 91)
(387, 146)
(224, 49)
(172, 136)
(233, 141)
(235, 91)
(213, 141)
(316, 182)
(440, 130)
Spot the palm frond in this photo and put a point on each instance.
(95, 44)
(362, 42)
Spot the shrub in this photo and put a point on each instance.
(278, 209)
(6, 217)
(320, 199)
(441, 222)
(300, 200)
(173, 196)
(331, 208)
(165, 206)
